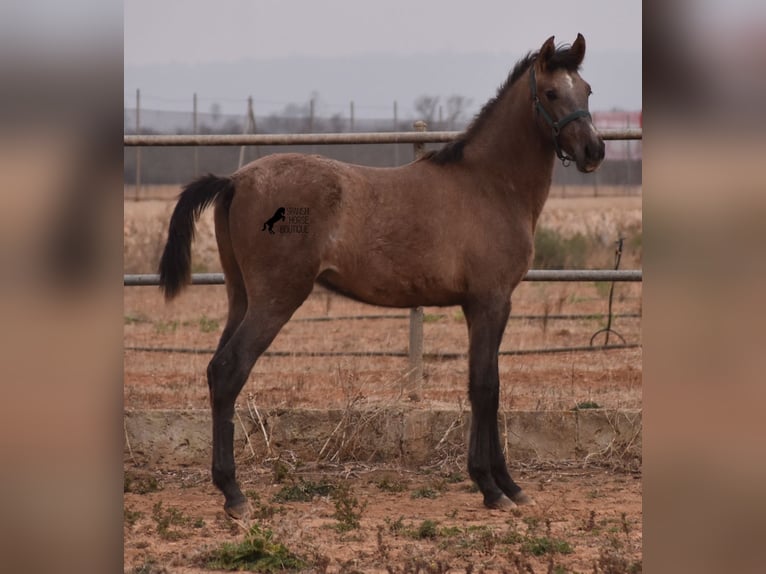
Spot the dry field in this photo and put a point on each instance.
(596, 512)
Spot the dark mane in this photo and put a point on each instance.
(453, 151)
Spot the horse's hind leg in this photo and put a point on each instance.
(486, 463)
(227, 374)
(235, 284)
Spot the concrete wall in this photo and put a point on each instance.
(409, 437)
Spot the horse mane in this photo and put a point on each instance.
(452, 152)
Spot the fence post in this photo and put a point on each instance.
(352, 128)
(396, 129)
(195, 131)
(138, 149)
(415, 377)
(249, 128)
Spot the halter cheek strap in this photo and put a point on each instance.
(555, 125)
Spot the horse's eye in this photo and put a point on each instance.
(551, 94)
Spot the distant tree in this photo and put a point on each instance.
(232, 126)
(426, 107)
(456, 108)
(215, 111)
(336, 123)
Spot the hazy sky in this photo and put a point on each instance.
(192, 31)
(170, 47)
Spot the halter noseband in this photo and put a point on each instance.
(556, 125)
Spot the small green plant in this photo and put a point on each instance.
(532, 522)
(397, 526)
(425, 492)
(486, 540)
(131, 516)
(388, 485)
(258, 552)
(165, 327)
(280, 471)
(428, 318)
(303, 491)
(133, 319)
(512, 536)
(450, 531)
(584, 405)
(261, 511)
(139, 484)
(611, 560)
(454, 477)
(602, 288)
(167, 518)
(427, 529)
(348, 510)
(555, 251)
(149, 566)
(208, 325)
(545, 545)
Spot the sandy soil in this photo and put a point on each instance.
(591, 516)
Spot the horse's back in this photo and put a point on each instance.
(390, 236)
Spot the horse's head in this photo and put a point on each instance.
(560, 100)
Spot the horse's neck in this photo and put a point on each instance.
(511, 147)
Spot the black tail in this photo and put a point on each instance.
(175, 265)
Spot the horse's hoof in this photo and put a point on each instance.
(502, 503)
(522, 498)
(238, 510)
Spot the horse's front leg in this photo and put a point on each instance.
(486, 463)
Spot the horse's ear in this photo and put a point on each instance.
(546, 52)
(578, 49)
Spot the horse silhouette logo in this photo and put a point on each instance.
(279, 214)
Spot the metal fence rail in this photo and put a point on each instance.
(633, 275)
(324, 139)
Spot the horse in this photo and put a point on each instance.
(279, 215)
(498, 170)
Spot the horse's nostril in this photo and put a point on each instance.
(595, 151)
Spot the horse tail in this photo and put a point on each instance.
(175, 265)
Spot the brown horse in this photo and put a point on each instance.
(475, 204)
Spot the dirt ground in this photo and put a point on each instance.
(597, 512)
(585, 520)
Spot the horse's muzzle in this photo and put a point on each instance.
(593, 155)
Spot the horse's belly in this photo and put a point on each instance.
(391, 290)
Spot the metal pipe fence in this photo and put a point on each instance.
(626, 275)
(324, 139)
